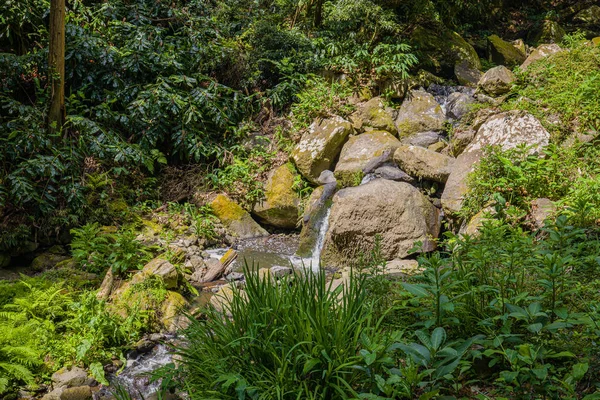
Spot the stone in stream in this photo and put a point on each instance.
(373, 115)
(396, 211)
(237, 220)
(320, 146)
(507, 130)
(280, 206)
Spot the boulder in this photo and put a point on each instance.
(71, 377)
(589, 16)
(541, 52)
(547, 31)
(313, 216)
(373, 115)
(237, 220)
(423, 139)
(76, 393)
(443, 49)
(458, 105)
(504, 53)
(222, 299)
(320, 146)
(467, 75)
(476, 222)
(392, 173)
(157, 267)
(396, 211)
(424, 163)
(520, 45)
(497, 81)
(541, 210)
(46, 261)
(280, 206)
(419, 113)
(171, 318)
(357, 153)
(401, 268)
(461, 138)
(507, 130)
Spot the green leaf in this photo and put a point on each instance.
(579, 370)
(415, 290)
(310, 364)
(438, 337)
(97, 372)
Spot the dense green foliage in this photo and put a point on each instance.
(45, 326)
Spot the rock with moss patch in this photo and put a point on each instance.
(158, 267)
(547, 31)
(588, 16)
(171, 312)
(237, 220)
(357, 153)
(541, 52)
(497, 81)
(280, 206)
(76, 393)
(313, 215)
(443, 49)
(458, 105)
(374, 115)
(504, 53)
(72, 377)
(46, 261)
(507, 130)
(424, 163)
(320, 146)
(397, 212)
(419, 113)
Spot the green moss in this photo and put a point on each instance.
(227, 210)
(504, 53)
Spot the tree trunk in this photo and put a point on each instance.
(56, 65)
(318, 13)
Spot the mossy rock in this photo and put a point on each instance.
(46, 261)
(373, 115)
(171, 317)
(504, 53)
(320, 146)
(310, 229)
(547, 31)
(589, 16)
(357, 153)
(443, 49)
(280, 206)
(237, 220)
(420, 112)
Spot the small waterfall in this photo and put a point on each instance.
(316, 251)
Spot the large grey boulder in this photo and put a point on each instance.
(359, 151)
(423, 163)
(396, 211)
(419, 113)
(423, 139)
(280, 206)
(497, 81)
(540, 53)
(320, 146)
(507, 130)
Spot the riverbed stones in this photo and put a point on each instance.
(395, 211)
(419, 113)
(359, 151)
(497, 81)
(373, 115)
(320, 146)
(507, 130)
(503, 52)
(280, 206)
(237, 220)
(541, 52)
(424, 163)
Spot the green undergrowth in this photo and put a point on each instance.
(46, 325)
(567, 175)
(505, 314)
(562, 90)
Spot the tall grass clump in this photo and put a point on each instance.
(296, 338)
